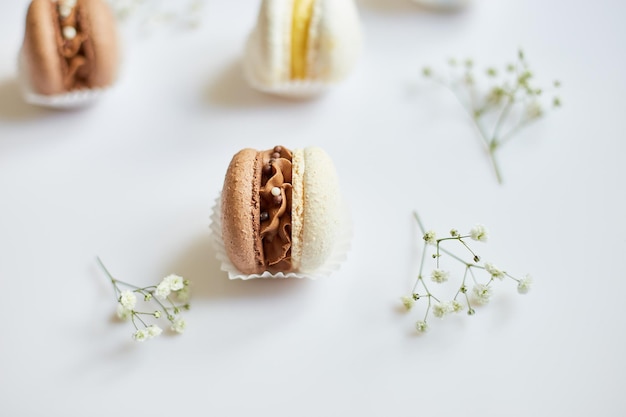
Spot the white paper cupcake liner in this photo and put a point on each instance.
(339, 255)
(300, 89)
(69, 100)
(443, 5)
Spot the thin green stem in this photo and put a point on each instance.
(474, 115)
(427, 310)
(460, 239)
(471, 112)
(427, 290)
(437, 255)
(104, 268)
(467, 267)
(473, 276)
(447, 252)
(116, 289)
(512, 277)
(503, 115)
(145, 313)
(469, 249)
(136, 315)
(467, 300)
(166, 309)
(495, 165)
(136, 288)
(521, 125)
(419, 276)
(419, 222)
(115, 281)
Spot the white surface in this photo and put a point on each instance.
(133, 178)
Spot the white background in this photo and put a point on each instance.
(133, 179)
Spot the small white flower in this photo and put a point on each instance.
(128, 300)
(456, 306)
(153, 331)
(175, 282)
(524, 284)
(479, 233)
(421, 326)
(439, 275)
(183, 294)
(140, 335)
(430, 237)
(162, 290)
(179, 325)
(482, 293)
(407, 302)
(494, 271)
(168, 284)
(441, 309)
(123, 313)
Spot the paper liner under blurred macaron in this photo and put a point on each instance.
(70, 54)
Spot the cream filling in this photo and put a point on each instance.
(301, 23)
(275, 208)
(71, 46)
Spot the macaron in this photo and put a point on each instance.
(69, 45)
(299, 42)
(280, 210)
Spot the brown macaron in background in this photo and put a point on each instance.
(69, 45)
(281, 211)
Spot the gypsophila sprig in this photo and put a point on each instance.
(500, 102)
(472, 280)
(159, 300)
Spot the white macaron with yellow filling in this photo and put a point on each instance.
(300, 47)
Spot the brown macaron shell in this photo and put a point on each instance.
(104, 41)
(42, 60)
(241, 209)
(45, 65)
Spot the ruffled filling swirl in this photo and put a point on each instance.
(275, 198)
(73, 48)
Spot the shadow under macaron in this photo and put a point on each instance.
(12, 104)
(388, 5)
(405, 6)
(198, 263)
(230, 89)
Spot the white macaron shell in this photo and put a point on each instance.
(269, 46)
(334, 40)
(316, 208)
